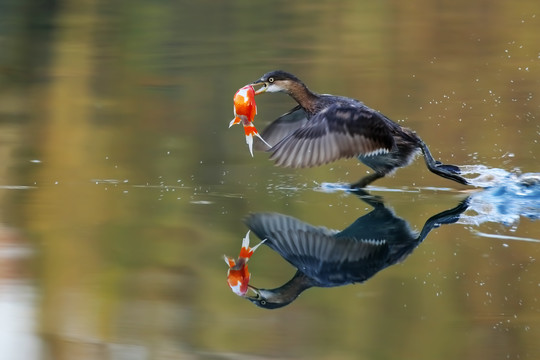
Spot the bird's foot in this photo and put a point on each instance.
(358, 185)
(451, 172)
(449, 168)
(365, 181)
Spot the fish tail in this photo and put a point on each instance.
(256, 246)
(250, 130)
(264, 141)
(249, 142)
(245, 251)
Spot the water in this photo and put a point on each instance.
(122, 187)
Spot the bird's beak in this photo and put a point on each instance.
(263, 86)
(255, 291)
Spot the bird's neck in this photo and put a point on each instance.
(306, 98)
(290, 290)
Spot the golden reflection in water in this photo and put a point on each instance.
(125, 108)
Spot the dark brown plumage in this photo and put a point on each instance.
(329, 258)
(325, 128)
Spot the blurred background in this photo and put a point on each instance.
(121, 186)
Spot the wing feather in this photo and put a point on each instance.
(281, 127)
(340, 131)
(296, 240)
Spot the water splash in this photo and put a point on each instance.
(506, 197)
(505, 237)
(484, 176)
(327, 187)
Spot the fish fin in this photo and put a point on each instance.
(229, 261)
(235, 121)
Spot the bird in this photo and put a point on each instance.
(329, 258)
(323, 128)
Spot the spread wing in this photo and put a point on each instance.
(316, 251)
(339, 131)
(281, 127)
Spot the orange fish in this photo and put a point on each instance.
(245, 110)
(238, 274)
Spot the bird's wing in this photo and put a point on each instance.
(307, 247)
(339, 131)
(281, 127)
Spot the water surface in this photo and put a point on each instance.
(121, 186)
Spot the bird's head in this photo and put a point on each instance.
(276, 81)
(267, 299)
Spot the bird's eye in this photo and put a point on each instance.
(270, 79)
(263, 302)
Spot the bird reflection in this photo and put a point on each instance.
(328, 258)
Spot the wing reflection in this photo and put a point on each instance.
(327, 258)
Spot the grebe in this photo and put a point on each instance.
(324, 128)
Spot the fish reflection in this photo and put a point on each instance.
(238, 274)
(328, 258)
